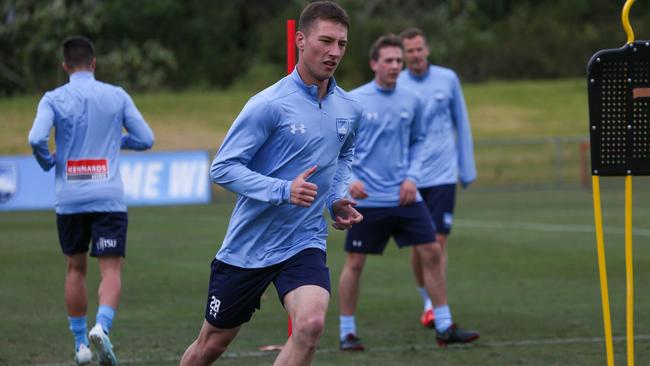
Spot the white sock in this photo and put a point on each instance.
(442, 317)
(425, 298)
(347, 326)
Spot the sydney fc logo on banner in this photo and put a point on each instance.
(8, 181)
(342, 127)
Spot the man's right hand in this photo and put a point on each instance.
(303, 193)
(357, 190)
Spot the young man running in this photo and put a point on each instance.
(88, 117)
(288, 155)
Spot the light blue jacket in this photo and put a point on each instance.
(389, 143)
(449, 150)
(281, 132)
(88, 117)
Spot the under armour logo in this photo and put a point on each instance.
(371, 116)
(214, 307)
(356, 243)
(298, 128)
(448, 218)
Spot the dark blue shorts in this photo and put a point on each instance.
(440, 200)
(107, 230)
(409, 225)
(235, 292)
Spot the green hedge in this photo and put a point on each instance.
(178, 44)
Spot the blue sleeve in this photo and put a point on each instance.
(248, 133)
(465, 145)
(139, 136)
(416, 143)
(339, 187)
(40, 134)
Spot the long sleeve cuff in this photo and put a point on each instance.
(286, 192)
(330, 205)
(413, 178)
(130, 143)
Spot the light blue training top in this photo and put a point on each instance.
(389, 143)
(449, 150)
(281, 132)
(88, 117)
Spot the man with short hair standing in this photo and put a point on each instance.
(449, 153)
(386, 168)
(288, 155)
(88, 117)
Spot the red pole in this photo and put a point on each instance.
(291, 45)
(291, 63)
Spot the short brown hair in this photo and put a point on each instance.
(324, 10)
(387, 40)
(78, 51)
(411, 33)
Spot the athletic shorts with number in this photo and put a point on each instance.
(105, 232)
(440, 200)
(234, 292)
(409, 226)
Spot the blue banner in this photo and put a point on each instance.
(151, 178)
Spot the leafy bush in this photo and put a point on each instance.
(152, 44)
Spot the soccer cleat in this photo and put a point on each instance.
(454, 334)
(427, 319)
(102, 346)
(351, 343)
(83, 356)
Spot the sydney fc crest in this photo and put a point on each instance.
(8, 181)
(342, 127)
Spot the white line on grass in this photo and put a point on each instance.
(477, 224)
(537, 226)
(531, 226)
(397, 348)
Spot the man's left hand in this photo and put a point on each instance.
(407, 193)
(345, 215)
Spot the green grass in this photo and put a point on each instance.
(522, 268)
(528, 108)
(503, 111)
(190, 120)
(199, 120)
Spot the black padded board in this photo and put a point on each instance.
(619, 110)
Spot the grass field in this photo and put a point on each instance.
(199, 120)
(522, 271)
(499, 111)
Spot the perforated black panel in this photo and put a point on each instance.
(619, 110)
(613, 106)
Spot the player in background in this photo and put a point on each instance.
(288, 155)
(88, 117)
(386, 168)
(449, 152)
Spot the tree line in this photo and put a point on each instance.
(178, 44)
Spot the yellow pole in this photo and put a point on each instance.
(629, 277)
(602, 269)
(625, 18)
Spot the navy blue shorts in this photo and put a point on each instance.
(107, 230)
(441, 200)
(409, 225)
(235, 292)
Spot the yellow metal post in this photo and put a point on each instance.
(629, 275)
(625, 18)
(602, 269)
